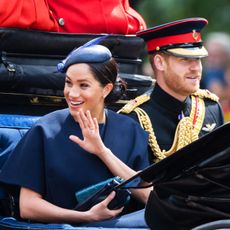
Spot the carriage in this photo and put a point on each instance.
(31, 87)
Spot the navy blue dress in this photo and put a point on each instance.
(47, 162)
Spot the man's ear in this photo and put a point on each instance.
(159, 62)
(107, 89)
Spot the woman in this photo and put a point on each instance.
(70, 149)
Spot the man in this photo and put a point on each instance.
(176, 112)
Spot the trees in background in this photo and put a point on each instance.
(161, 11)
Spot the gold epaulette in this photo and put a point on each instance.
(204, 93)
(132, 104)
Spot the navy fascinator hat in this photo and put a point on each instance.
(90, 52)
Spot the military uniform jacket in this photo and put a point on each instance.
(165, 112)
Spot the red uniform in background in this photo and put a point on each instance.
(96, 16)
(76, 16)
(27, 14)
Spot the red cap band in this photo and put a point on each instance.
(192, 37)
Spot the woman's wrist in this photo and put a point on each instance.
(105, 152)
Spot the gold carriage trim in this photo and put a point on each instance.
(204, 93)
(187, 129)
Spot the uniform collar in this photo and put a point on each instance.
(170, 103)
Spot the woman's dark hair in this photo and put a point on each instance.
(107, 72)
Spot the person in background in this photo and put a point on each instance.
(216, 66)
(90, 17)
(225, 100)
(105, 16)
(27, 15)
(71, 149)
(176, 112)
(218, 46)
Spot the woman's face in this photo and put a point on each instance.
(83, 91)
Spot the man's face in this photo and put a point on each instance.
(181, 76)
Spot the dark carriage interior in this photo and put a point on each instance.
(30, 83)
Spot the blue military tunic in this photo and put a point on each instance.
(48, 162)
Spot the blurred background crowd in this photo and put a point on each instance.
(216, 67)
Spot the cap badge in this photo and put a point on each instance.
(194, 34)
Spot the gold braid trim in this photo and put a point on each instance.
(204, 93)
(186, 132)
(132, 104)
(184, 135)
(187, 129)
(197, 113)
(147, 126)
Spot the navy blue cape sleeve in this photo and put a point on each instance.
(127, 140)
(21, 162)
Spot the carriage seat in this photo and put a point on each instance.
(12, 128)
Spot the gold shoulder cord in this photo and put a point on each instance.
(186, 132)
(187, 129)
(132, 104)
(204, 93)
